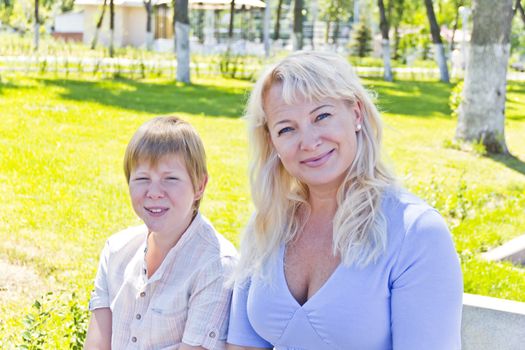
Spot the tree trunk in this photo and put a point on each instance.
(230, 26)
(36, 28)
(277, 28)
(482, 109)
(111, 27)
(298, 25)
(99, 25)
(385, 42)
(439, 50)
(149, 33)
(182, 30)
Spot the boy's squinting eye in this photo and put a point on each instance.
(172, 178)
(284, 130)
(140, 178)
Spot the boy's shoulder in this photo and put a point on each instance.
(214, 242)
(129, 238)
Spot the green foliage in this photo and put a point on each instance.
(236, 66)
(455, 98)
(334, 10)
(35, 334)
(361, 46)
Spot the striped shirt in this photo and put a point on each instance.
(185, 300)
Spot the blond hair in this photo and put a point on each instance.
(163, 136)
(359, 226)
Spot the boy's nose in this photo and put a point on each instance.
(155, 190)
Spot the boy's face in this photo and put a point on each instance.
(163, 195)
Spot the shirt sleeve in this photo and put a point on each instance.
(100, 294)
(209, 306)
(240, 330)
(427, 288)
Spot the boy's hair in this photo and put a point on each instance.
(163, 136)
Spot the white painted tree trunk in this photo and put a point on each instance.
(482, 108)
(441, 60)
(385, 51)
(182, 31)
(149, 41)
(297, 39)
(266, 29)
(481, 114)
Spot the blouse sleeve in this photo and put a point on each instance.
(100, 294)
(427, 288)
(240, 331)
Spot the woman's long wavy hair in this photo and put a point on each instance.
(359, 226)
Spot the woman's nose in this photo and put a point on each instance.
(310, 139)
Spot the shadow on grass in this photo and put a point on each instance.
(153, 97)
(423, 99)
(509, 161)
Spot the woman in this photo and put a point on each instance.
(161, 285)
(336, 256)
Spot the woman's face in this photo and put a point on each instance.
(316, 141)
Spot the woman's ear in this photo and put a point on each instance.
(358, 111)
(202, 186)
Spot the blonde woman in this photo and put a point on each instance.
(336, 256)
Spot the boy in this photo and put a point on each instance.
(161, 285)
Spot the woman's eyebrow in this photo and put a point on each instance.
(319, 107)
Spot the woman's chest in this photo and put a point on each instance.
(351, 310)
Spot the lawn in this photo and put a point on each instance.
(62, 144)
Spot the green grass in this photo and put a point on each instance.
(62, 143)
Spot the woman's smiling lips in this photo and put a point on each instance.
(318, 160)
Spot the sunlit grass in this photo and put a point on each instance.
(64, 193)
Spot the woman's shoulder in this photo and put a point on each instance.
(410, 220)
(401, 206)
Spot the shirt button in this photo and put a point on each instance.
(212, 334)
(142, 294)
(134, 339)
(138, 316)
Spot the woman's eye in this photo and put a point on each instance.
(284, 130)
(172, 178)
(322, 116)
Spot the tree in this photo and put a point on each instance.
(111, 28)
(519, 8)
(182, 33)
(99, 25)
(385, 42)
(36, 27)
(362, 38)
(481, 114)
(230, 26)
(298, 25)
(277, 28)
(334, 11)
(439, 50)
(149, 33)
